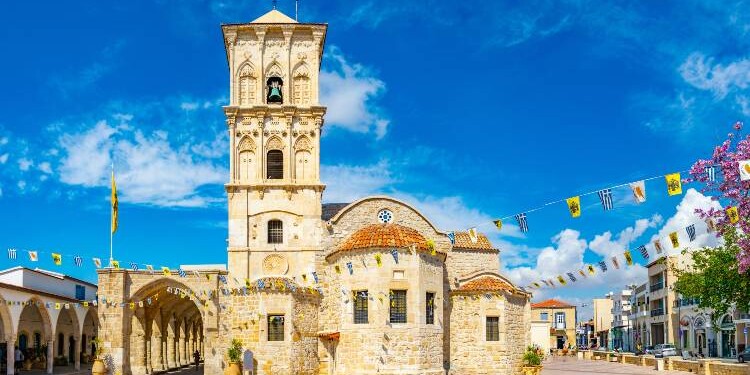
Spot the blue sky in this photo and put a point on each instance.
(469, 110)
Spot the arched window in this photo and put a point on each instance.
(246, 85)
(275, 231)
(275, 165)
(23, 341)
(301, 90)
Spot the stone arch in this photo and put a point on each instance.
(301, 92)
(274, 143)
(352, 205)
(304, 165)
(68, 329)
(35, 303)
(163, 342)
(89, 330)
(274, 69)
(246, 84)
(247, 160)
(6, 321)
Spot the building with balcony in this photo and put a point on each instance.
(620, 336)
(638, 317)
(696, 334)
(562, 319)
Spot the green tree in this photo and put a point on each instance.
(714, 277)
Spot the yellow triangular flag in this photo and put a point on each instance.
(498, 223)
(166, 271)
(115, 264)
(113, 200)
(57, 259)
(733, 215)
(57, 306)
(675, 240)
(378, 260)
(561, 280)
(591, 269)
(674, 184)
(574, 206)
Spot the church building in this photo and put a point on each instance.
(367, 287)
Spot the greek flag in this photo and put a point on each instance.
(452, 237)
(603, 266)
(78, 261)
(12, 254)
(261, 284)
(711, 173)
(133, 266)
(521, 219)
(571, 277)
(606, 197)
(690, 229)
(181, 272)
(394, 252)
(350, 267)
(315, 276)
(643, 251)
(223, 279)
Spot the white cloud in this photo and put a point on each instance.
(350, 91)
(3, 158)
(701, 72)
(149, 169)
(607, 246)
(3, 141)
(24, 164)
(21, 185)
(45, 167)
(189, 106)
(684, 216)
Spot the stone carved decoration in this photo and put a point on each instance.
(246, 144)
(274, 70)
(247, 84)
(275, 264)
(303, 144)
(274, 144)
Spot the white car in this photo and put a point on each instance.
(664, 350)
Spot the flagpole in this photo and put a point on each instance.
(111, 216)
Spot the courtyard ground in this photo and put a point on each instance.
(568, 365)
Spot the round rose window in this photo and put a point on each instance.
(385, 216)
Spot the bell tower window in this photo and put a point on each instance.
(275, 165)
(274, 93)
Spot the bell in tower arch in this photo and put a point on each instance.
(274, 95)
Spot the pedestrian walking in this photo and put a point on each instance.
(197, 359)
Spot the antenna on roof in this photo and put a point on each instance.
(274, 4)
(296, 10)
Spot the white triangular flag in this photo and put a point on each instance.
(473, 235)
(744, 170)
(639, 191)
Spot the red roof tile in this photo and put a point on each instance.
(486, 283)
(550, 303)
(384, 235)
(463, 241)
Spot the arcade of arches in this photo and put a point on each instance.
(45, 334)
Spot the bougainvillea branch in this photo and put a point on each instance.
(727, 188)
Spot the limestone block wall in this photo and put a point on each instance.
(462, 262)
(471, 353)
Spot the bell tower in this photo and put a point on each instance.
(274, 120)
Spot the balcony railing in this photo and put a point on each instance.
(657, 312)
(656, 286)
(559, 325)
(683, 302)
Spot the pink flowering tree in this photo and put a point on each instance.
(729, 190)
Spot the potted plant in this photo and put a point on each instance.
(532, 361)
(235, 358)
(98, 368)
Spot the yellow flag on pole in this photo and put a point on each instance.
(628, 258)
(574, 206)
(114, 204)
(57, 259)
(674, 184)
(733, 215)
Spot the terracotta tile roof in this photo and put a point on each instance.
(384, 235)
(550, 303)
(486, 283)
(463, 241)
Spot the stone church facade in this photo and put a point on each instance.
(369, 287)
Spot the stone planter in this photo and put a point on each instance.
(99, 368)
(532, 370)
(234, 368)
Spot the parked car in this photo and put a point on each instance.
(743, 356)
(648, 350)
(664, 350)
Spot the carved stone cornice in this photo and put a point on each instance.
(289, 188)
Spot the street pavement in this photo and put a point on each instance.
(572, 365)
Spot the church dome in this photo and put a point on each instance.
(384, 235)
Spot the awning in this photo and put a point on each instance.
(326, 335)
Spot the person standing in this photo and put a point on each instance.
(18, 360)
(197, 359)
